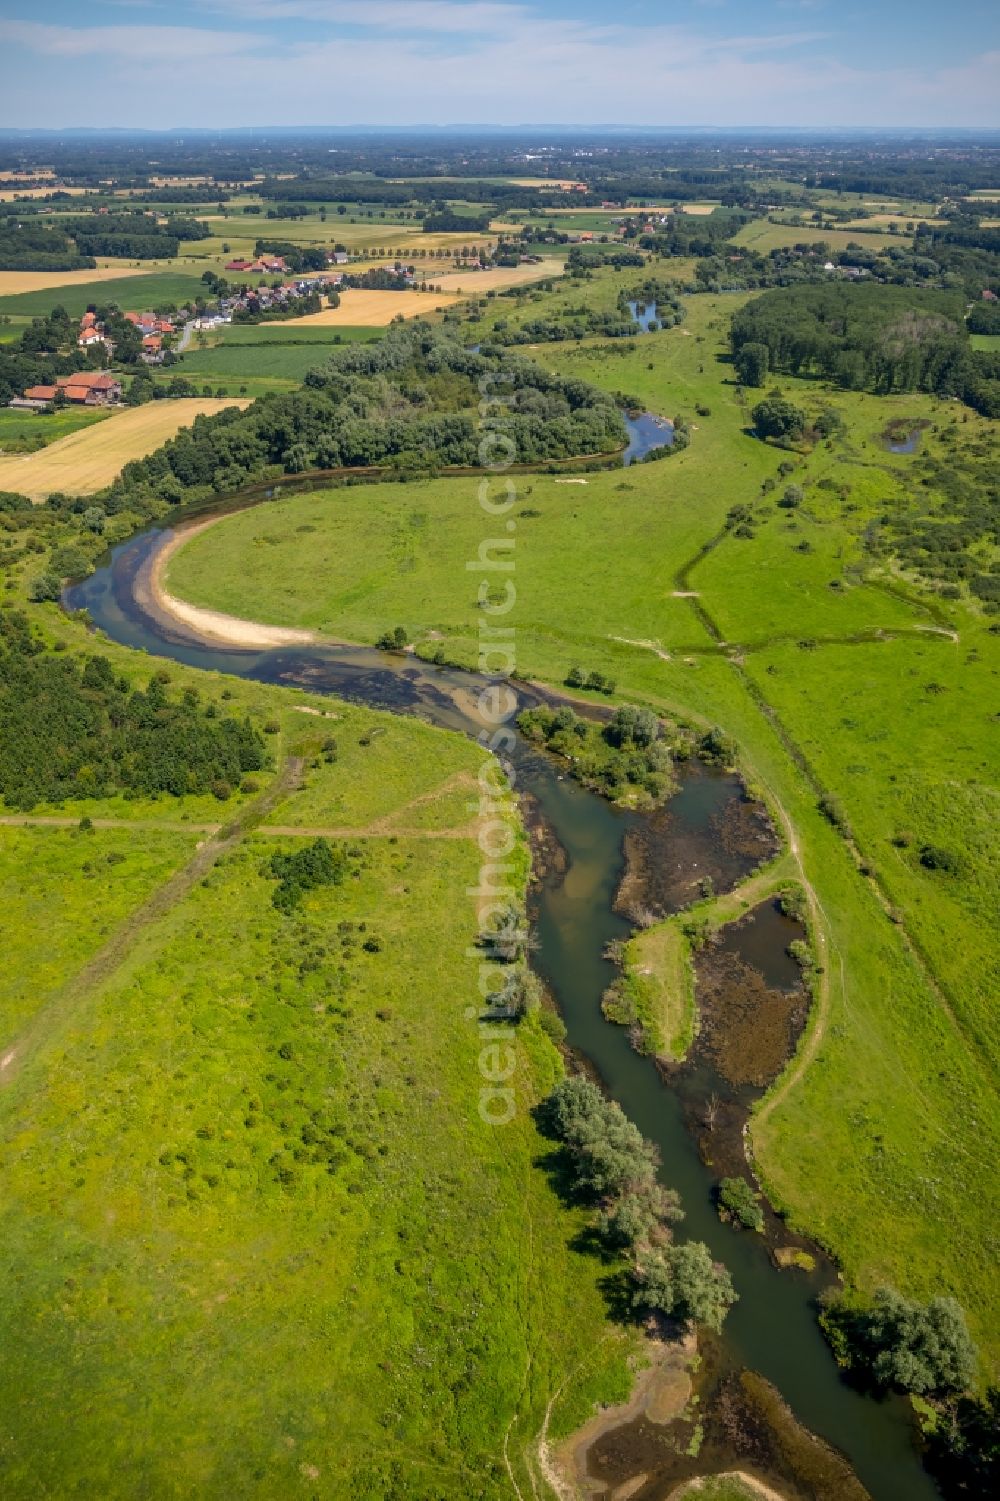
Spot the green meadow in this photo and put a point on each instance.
(268, 359)
(835, 676)
(24, 432)
(259, 1237)
(762, 236)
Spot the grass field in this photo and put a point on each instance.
(260, 1240)
(22, 432)
(76, 887)
(877, 1138)
(86, 461)
(763, 236)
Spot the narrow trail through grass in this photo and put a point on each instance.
(48, 1021)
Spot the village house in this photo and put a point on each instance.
(91, 332)
(264, 265)
(149, 323)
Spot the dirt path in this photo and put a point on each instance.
(113, 954)
(57, 821)
(653, 646)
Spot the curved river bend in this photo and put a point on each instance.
(773, 1328)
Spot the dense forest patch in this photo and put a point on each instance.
(868, 337)
(69, 730)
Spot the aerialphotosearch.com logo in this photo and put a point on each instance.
(496, 894)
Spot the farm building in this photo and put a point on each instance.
(92, 388)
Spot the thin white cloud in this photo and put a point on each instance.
(477, 18)
(156, 44)
(531, 68)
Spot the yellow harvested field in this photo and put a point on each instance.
(700, 208)
(471, 282)
(85, 462)
(7, 195)
(359, 308)
(12, 282)
(567, 184)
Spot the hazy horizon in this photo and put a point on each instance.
(322, 63)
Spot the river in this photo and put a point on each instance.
(772, 1329)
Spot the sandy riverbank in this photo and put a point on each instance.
(230, 630)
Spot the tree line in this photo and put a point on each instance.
(409, 402)
(614, 1171)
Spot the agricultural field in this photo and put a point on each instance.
(86, 461)
(495, 280)
(861, 1142)
(208, 1073)
(230, 335)
(20, 284)
(360, 307)
(24, 432)
(135, 290)
(763, 236)
(252, 359)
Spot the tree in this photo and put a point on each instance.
(45, 586)
(703, 1289)
(752, 362)
(636, 1217)
(684, 1282)
(921, 1348)
(777, 418)
(965, 1447)
(632, 726)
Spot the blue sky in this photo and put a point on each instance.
(161, 63)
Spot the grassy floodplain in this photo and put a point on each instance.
(879, 1135)
(251, 1205)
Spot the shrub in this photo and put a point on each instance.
(393, 640)
(921, 1348)
(933, 857)
(738, 1200)
(319, 864)
(553, 1026)
(684, 1282)
(45, 586)
(831, 809)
